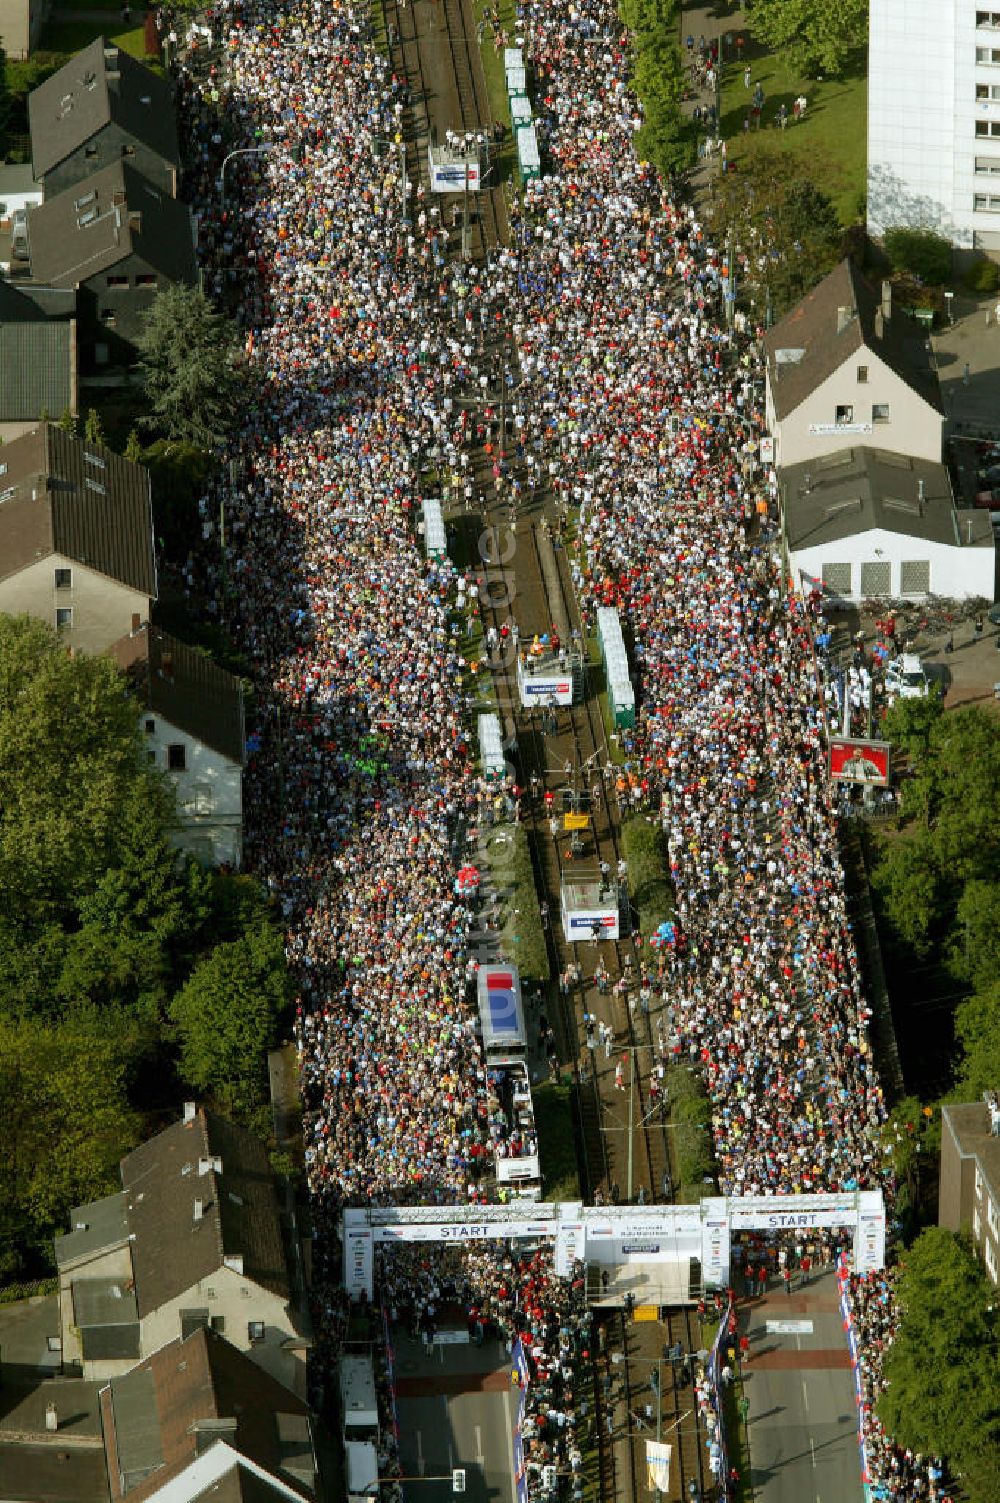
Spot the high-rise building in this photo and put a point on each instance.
(934, 119)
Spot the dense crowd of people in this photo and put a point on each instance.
(627, 398)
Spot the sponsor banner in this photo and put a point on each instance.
(359, 1265)
(510, 1171)
(488, 1231)
(542, 690)
(580, 925)
(519, 1377)
(639, 1249)
(825, 430)
(658, 1455)
(860, 762)
(452, 177)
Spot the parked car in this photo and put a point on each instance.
(19, 236)
(990, 498)
(905, 678)
(990, 476)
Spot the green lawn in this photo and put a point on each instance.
(70, 36)
(830, 144)
(496, 82)
(556, 1140)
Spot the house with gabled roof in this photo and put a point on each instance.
(847, 369)
(198, 1238)
(117, 238)
(76, 537)
(38, 353)
(197, 1419)
(193, 728)
(101, 108)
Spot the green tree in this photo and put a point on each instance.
(133, 447)
(5, 100)
(93, 430)
(921, 252)
(942, 1369)
(65, 1124)
(666, 138)
(190, 367)
(977, 1029)
(818, 36)
(68, 421)
(785, 226)
(227, 1014)
(76, 799)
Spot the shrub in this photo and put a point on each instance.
(524, 936)
(983, 278)
(691, 1119)
(921, 252)
(648, 873)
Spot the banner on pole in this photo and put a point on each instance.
(658, 1464)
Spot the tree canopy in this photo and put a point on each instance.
(818, 36)
(943, 1368)
(189, 365)
(227, 1014)
(658, 79)
(782, 224)
(102, 923)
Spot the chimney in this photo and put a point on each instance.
(190, 1107)
(969, 530)
(207, 1165)
(879, 324)
(199, 1209)
(920, 491)
(136, 621)
(844, 316)
(887, 300)
(51, 1417)
(234, 1262)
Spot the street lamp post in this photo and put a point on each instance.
(243, 151)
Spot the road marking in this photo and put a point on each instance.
(421, 1468)
(480, 1458)
(805, 1396)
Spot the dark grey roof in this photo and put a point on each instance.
(812, 332)
(137, 1436)
(40, 1472)
(95, 224)
(27, 303)
(970, 1124)
(105, 1312)
(185, 687)
(37, 360)
(240, 1211)
(96, 511)
(99, 1225)
(100, 84)
(853, 491)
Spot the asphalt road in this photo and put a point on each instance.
(469, 1428)
(803, 1417)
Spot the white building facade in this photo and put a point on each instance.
(881, 563)
(934, 119)
(209, 790)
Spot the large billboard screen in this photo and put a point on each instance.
(864, 762)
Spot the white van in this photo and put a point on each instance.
(360, 1424)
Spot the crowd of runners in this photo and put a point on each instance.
(376, 354)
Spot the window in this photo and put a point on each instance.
(200, 799)
(862, 374)
(844, 414)
(990, 1259)
(987, 203)
(880, 412)
(151, 758)
(988, 164)
(64, 579)
(177, 757)
(979, 1183)
(145, 279)
(988, 128)
(837, 579)
(987, 91)
(992, 1215)
(117, 281)
(255, 1331)
(989, 56)
(3, 469)
(64, 617)
(915, 576)
(109, 318)
(191, 1321)
(219, 1324)
(150, 727)
(977, 1224)
(988, 18)
(90, 151)
(876, 578)
(128, 151)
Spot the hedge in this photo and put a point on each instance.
(691, 1134)
(524, 936)
(649, 882)
(11, 1294)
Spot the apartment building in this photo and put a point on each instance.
(969, 1197)
(934, 119)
